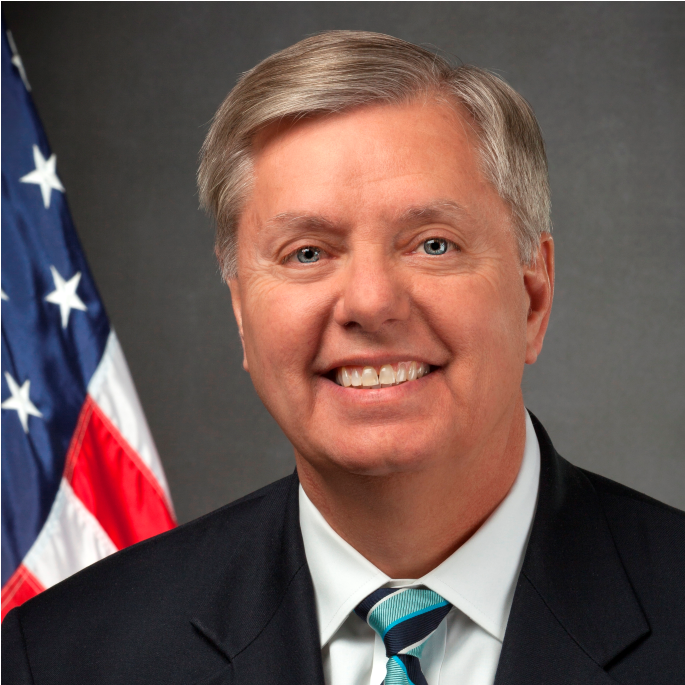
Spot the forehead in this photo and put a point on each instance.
(380, 163)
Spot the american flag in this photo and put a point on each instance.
(81, 477)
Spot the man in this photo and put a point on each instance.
(383, 225)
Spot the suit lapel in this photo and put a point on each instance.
(574, 610)
(537, 649)
(260, 614)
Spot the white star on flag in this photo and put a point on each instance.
(20, 402)
(44, 175)
(65, 295)
(3, 294)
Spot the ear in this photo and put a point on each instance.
(538, 280)
(236, 301)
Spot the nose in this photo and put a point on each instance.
(372, 294)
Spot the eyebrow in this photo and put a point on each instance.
(439, 210)
(436, 211)
(293, 220)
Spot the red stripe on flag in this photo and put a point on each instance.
(20, 587)
(112, 481)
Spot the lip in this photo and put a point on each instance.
(376, 361)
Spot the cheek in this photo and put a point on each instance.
(282, 327)
(481, 320)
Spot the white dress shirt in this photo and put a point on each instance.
(478, 580)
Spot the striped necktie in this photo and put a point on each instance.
(404, 618)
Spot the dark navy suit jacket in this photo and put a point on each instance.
(228, 599)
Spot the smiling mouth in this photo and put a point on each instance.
(370, 377)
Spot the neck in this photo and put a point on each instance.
(408, 523)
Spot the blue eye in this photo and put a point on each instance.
(308, 255)
(435, 246)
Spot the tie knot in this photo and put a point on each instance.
(403, 617)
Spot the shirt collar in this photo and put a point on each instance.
(479, 578)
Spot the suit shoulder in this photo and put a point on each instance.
(170, 560)
(95, 626)
(650, 538)
(621, 498)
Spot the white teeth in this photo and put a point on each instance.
(369, 377)
(388, 375)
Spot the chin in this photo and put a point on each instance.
(382, 457)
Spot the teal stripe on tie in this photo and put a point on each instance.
(396, 673)
(400, 605)
(405, 620)
(416, 613)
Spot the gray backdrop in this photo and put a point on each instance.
(125, 91)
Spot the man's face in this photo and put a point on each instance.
(370, 239)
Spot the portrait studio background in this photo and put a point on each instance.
(126, 91)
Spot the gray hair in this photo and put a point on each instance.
(339, 70)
